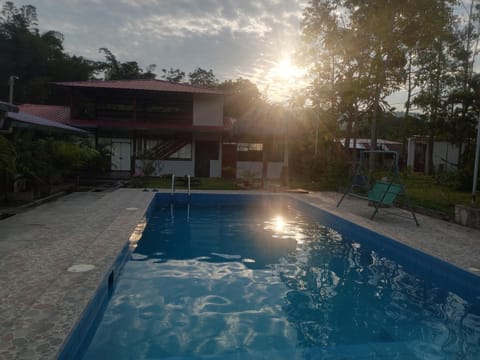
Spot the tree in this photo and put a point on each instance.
(13, 18)
(461, 122)
(242, 96)
(435, 72)
(116, 70)
(361, 51)
(202, 77)
(35, 58)
(352, 49)
(173, 75)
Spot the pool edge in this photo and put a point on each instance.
(71, 347)
(79, 334)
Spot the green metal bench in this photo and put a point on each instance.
(384, 193)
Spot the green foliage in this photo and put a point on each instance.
(173, 75)
(202, 77)
(71, 156)
(48, 161)
(359, 52)
(426, 193)
(116, 70)
(7, 156)
(36, 58)
(241, 97)
(165, 182)
(354, 52)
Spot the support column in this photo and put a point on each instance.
(411, 152)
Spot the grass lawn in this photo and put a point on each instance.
(197, 184)
(425, 192)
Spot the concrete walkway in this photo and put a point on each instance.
(448, 241)
(40, 301)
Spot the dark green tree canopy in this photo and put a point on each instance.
(116, 70)
(202, 77)
(241, 96)
(35, 58)
(173, 75)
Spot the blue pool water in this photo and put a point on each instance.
(266, 280)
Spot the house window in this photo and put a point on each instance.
(249, 151)
(185, 153)
(170, 149)
(249, 147)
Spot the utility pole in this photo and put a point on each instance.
(11, 82)
(477, 159)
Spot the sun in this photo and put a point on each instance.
(285, 70)
(279, 224)
(284, 78)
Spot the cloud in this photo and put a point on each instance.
(233, 38)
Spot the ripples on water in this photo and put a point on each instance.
(246, 283)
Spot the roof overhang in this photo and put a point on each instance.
(141, 85)
(145, 126)
(22, 118)
(7, 107)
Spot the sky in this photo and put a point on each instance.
(252, 39)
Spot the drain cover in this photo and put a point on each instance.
(80, 268)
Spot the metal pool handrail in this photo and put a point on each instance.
(189, 190)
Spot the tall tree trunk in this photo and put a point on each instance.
(409, 85)
(373, 130)
(429, 167)
(348, 137)
(430, 142)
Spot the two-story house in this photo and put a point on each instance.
(183, 126)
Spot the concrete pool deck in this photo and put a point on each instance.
(41, 301)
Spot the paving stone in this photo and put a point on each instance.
(41, 300)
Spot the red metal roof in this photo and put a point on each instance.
(34, 120)
(144, 84)
(51, 112)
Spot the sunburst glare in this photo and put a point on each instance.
(284, 77)
(279, 224)
(285, 70)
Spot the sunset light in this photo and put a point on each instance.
(284, 78)
(279, 224)
(285, 70)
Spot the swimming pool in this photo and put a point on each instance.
(246, 277)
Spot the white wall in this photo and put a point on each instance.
(443, 150)
(254, 169)
(249, 169)
(215, 168)
(179, 168)
(274, 170)
(207, 110)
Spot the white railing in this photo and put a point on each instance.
(189, 183)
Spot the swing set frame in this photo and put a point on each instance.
(383, 193)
